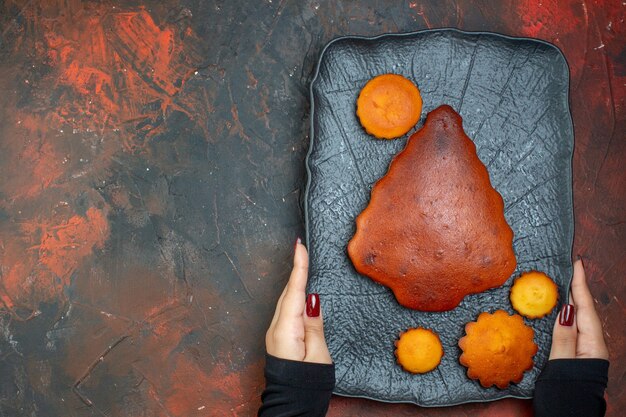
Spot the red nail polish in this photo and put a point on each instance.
(566, 318)
(313, 305)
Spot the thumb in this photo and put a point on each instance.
(314, 340)
(564, 334)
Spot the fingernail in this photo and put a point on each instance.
(298, 241)
(313, 305)
(566, 318)
(580, 258)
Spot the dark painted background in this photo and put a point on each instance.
(151, 168)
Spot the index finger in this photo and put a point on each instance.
(587, 321)
(294, 299)
(580, 291)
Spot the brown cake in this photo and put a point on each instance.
(434, 230)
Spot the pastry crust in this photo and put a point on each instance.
(434, 230)
(418, 350)
(497, 349)
(388, 106)
(534, 294)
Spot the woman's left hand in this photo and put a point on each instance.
(297, 329)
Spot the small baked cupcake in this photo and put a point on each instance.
(534, 294)
(388, 106)
(418, 350)
(497, 349)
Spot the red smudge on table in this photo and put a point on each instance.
(42, 160)
(116, 63)
(188, 395)
(44, 270)
(63, 246)
(538, 19)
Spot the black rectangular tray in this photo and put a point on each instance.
(513, 96)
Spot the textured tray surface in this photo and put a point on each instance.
(512, 95)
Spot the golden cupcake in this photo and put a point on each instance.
(497, 349)
(534, 294)
(389, 106)
(418, 350)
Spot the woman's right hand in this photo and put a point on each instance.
(578, 331)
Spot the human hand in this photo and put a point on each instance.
(297, 329)
(578, 331)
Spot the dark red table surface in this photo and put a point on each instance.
(151, 171)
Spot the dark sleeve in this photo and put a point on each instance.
(571, 387)
(296, 388)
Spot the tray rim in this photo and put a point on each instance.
(569, 175)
